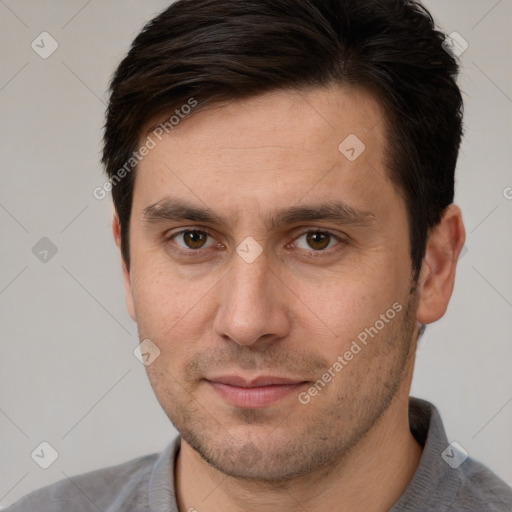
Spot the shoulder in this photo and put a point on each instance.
(443, 483)
(102, 489)
(481, 489)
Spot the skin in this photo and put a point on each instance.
(292, 311)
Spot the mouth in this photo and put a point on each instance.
(255, 393)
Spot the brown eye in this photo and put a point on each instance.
(192, 239)
(318, 240)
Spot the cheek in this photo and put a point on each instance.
(171, 311)
(337, 309)
(159, 301)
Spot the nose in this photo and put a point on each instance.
(254, 304)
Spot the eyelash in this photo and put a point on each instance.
(311, 254)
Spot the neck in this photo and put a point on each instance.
(370, 478)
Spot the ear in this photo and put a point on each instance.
(437, 276)
(116, 231)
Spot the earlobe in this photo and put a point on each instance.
(116, 231)
(437, 277)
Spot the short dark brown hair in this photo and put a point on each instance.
(213, 50)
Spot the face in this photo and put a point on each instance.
(259, 248)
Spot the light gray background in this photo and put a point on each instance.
(67, 372)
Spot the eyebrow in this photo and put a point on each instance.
(173, 209)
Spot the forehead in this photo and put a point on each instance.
(274, 148)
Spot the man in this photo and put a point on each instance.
(282, 174)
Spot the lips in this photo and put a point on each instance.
(254, 393)
(264, 380)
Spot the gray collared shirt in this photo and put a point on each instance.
(441, 483)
